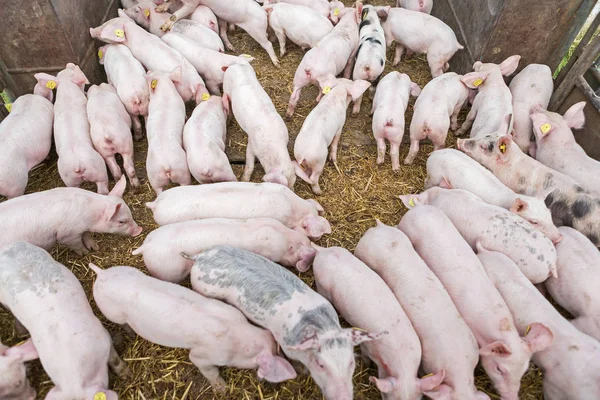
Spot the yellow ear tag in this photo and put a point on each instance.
(411, 202)
(51, 84)
(146, 13)
(8, 106)
(364, 14)
(153, 83)
(358, 329)
(100, 53)
(545, 128)
(100, 396)
(527, 330)
(119, 33)
(205, 96)
(336, 12)
(427, 376)
(477, 82)
(326, 89)
(502, 148)
(246, 55)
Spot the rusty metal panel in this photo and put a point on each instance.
(45, 35)
(540, 31)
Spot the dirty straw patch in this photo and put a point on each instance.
(355, 193)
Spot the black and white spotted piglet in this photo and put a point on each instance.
(370, 58)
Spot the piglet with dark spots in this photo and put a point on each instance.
(370, 58)
(216, 333)
(504, 353)
(241, 200)
(576, 289)
(449, 349)
(73, 346)
(66, 216)
(571, 359)
(494, 228)
(303, 322)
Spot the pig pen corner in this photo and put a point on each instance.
(356, 193)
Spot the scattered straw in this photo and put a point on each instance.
(355, 192)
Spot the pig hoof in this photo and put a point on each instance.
(395, 168)
(408, 161)
(219, 385)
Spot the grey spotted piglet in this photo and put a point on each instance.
(302, 321)
(73, 346)
(370, 56)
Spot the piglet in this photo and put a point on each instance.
(452, 169)
(334, 53)
(166, 161)
(504, 353)
(78, 162)
(302, 25)
(66, 216)
(322, 7)
(153, 53)
(569, 203)
(390, 254)
(424, 6)
(110, 129)
(73, 346)
(267, 133)
(436, 112)
(493, 101)
(265, 236)
(571, 364)
(530, 88)
(576, 290)
(145, 15)
(216, 333)
(240, 200)
(13, 379)
(556, 146)
(370, 56)
(305, 324)
(420, 33)
(248, 15)
(363, 299)
(126, 74)
(206, 17)
(210, 64)
(26, 140)
(389, 106)
(323, 127)
(204, 143)
(495, 228)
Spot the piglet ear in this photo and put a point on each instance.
(574, 117)
(319, 207)
(504, 144)
(358, 336)
(111, 211)
(505, 127)
(411, 200)
(385, 385)
(46, 80)
(415, 90)
(499, 349)
(383, 12)
(119, 188)
(509, 65)
(357, 88)
(474, 79)
(538, 337)
(78, 77)
(114, 32)
(274, 368)
(431, 381)
(519, 206)
(359, 10)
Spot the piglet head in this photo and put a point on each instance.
(506, 364)
(140, 13)
(45, 85)
(113, 30)
(546, 122)
(330, 358)
(94, 393)
(335, 11)
(117, 217)
(534, 211)
(489, 150)
(13, 380)
(156, 78)
(506, 67)
(356, 89)
(413, 200)
(315, 227)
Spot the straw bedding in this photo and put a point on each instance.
(355, 193)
